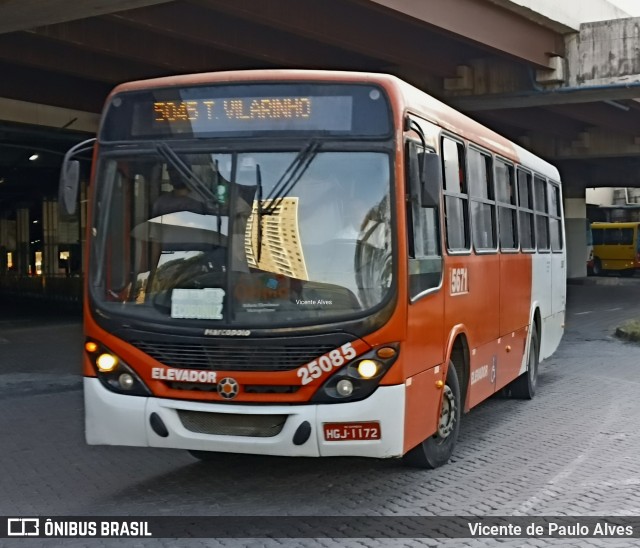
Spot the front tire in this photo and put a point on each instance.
(437, 449)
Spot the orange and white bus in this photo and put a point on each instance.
(310, 263)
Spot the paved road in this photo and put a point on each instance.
(573, 450)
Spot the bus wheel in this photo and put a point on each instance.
(437, 449)
(524, 387)
(204, 455)
(597, 267)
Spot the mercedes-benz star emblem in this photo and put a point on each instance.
(228, 388)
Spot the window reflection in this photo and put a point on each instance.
(322, 247)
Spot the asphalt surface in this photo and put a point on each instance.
(573, 450)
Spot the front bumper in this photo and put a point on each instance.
(116, 419)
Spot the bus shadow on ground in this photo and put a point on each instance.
(234, 484)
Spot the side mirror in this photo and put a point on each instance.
(430, 179)
(68, 189)
(70, 178)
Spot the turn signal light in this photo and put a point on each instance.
(386, 352)
(91, 347)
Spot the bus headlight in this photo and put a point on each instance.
(367, 369)
(106, 362)
(359, 378)
(113, 373)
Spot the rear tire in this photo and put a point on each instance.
(597, 267)
(437, 449)
(524, 387)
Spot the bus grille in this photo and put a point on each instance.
(247, 388)
(227, 424)
(232, 358)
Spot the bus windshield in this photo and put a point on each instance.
(245, 238)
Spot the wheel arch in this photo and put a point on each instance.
(535, 322)
(537, 325)
(458, 353)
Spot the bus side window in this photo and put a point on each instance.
(525, 207)
(425, 264)
(507, 209)
(555, 217)
(483, 214)
(597, 235)
(626, 236)
(456, 200)
(542, 213)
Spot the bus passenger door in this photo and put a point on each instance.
(558, 254)
(554, 324)
(627, 237)
(515, 275)
(425, 334)
(542, 267)
(423, 352)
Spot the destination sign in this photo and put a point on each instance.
(275, 108)
(228, 114)
(226, 110)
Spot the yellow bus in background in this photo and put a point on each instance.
(615, 248)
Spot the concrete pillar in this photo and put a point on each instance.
(7, 243)
(50, 238)
(23, 244)
(575, 217)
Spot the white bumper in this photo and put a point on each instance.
(115, 419)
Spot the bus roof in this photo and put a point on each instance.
(623, 224)
(452, 120)
(413, 100)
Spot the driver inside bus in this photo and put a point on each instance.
(179, 239)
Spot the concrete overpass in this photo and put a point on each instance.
(567, 90)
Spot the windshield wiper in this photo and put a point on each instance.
(291, 176)
(188, 175)
(218, 201)
(259, 213)
(294, 172)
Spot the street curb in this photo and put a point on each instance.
(611, 281)
(629, 332)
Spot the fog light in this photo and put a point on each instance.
(367, 369)
(126, 381)
(106, 362)
(344, 387)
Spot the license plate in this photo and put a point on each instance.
(349, 431)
